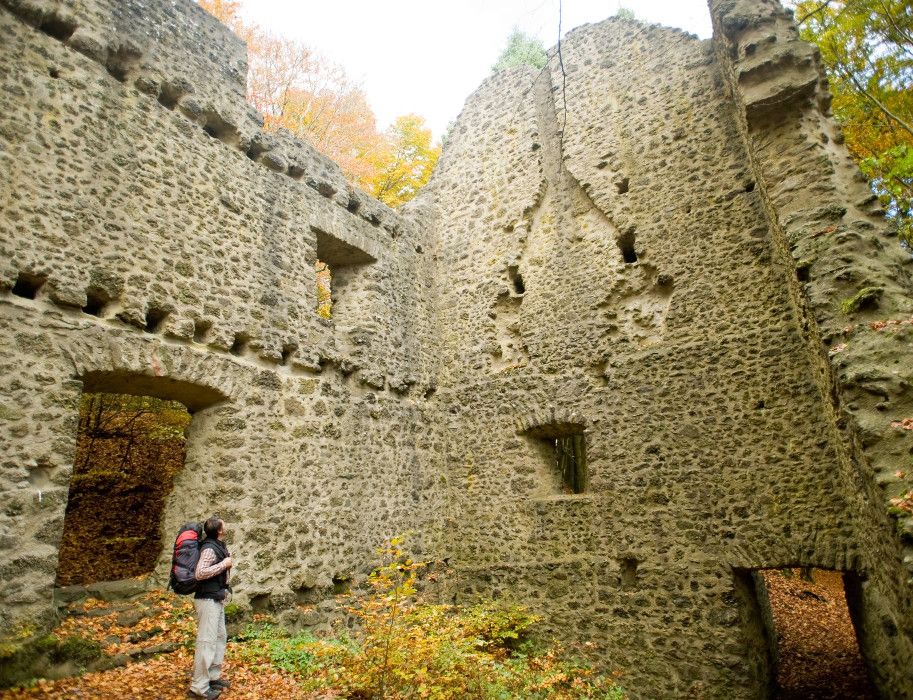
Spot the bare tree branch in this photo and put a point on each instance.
(875, 101)
(904, 35)
(820, 8)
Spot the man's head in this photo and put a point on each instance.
(214, 527)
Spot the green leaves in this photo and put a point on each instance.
(867, 49)
(521, 50)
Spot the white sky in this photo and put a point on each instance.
(427, 56)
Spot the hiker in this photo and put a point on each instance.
(212, 590)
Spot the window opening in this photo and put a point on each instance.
(570, 457)
(128, 451)
(563, 445)
(339, 270)
(324, 289)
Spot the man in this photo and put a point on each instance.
(212, 573)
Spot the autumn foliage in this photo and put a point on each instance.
(407, 648)
(867, 49)
(296, 89)
(128, 450)
(399, 647)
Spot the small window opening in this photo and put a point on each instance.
(201, 330)
(570, 455)
(61, 28)
(154, 318)
(96, 301)
(563, 445)
(340, 268)
(628, 573)
(749, 187)
(28, 285)
(516, 280)
(324, 289)
(128, 451)
(287, 351)
(54, 72)
(239, 346)
(623, 185)
(626, 246)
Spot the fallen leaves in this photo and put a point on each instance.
(819, 657)
(166, 677)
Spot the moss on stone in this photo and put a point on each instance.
(864, 298)
(22, 662)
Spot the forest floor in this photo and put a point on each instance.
(149, 643)
(819, 657)
(150, 640)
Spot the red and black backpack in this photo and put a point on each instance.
(184, 559)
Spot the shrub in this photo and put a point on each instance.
(408, 648)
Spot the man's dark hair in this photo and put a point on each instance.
(212, 526)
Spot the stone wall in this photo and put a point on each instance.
(648, 248)
(144, 250)
(658, 312)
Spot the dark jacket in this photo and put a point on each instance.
(215, 588)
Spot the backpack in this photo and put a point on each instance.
(184, 559)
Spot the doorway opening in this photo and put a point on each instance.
(129, 449)
(810, 644)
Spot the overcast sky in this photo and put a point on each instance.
(427, 56)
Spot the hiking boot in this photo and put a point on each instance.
(211, 694)
(220, 684)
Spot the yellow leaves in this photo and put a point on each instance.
(405, 162)
(296, 89)
(324, 290)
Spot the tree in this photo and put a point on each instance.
(867, 49)
(405, 164)
(521, 50)
(625, 13)
(294, 88)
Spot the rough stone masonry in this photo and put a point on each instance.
(664, 253)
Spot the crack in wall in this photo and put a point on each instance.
(636, 297)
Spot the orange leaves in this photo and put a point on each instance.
(296, 89)
(817, 648)
(903, 503)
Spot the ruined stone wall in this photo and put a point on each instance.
(656, 314)
(853, 286)
(154, 240)
(650, 248)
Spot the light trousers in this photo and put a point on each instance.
(210, 648)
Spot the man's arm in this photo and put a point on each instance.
(208, 567)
